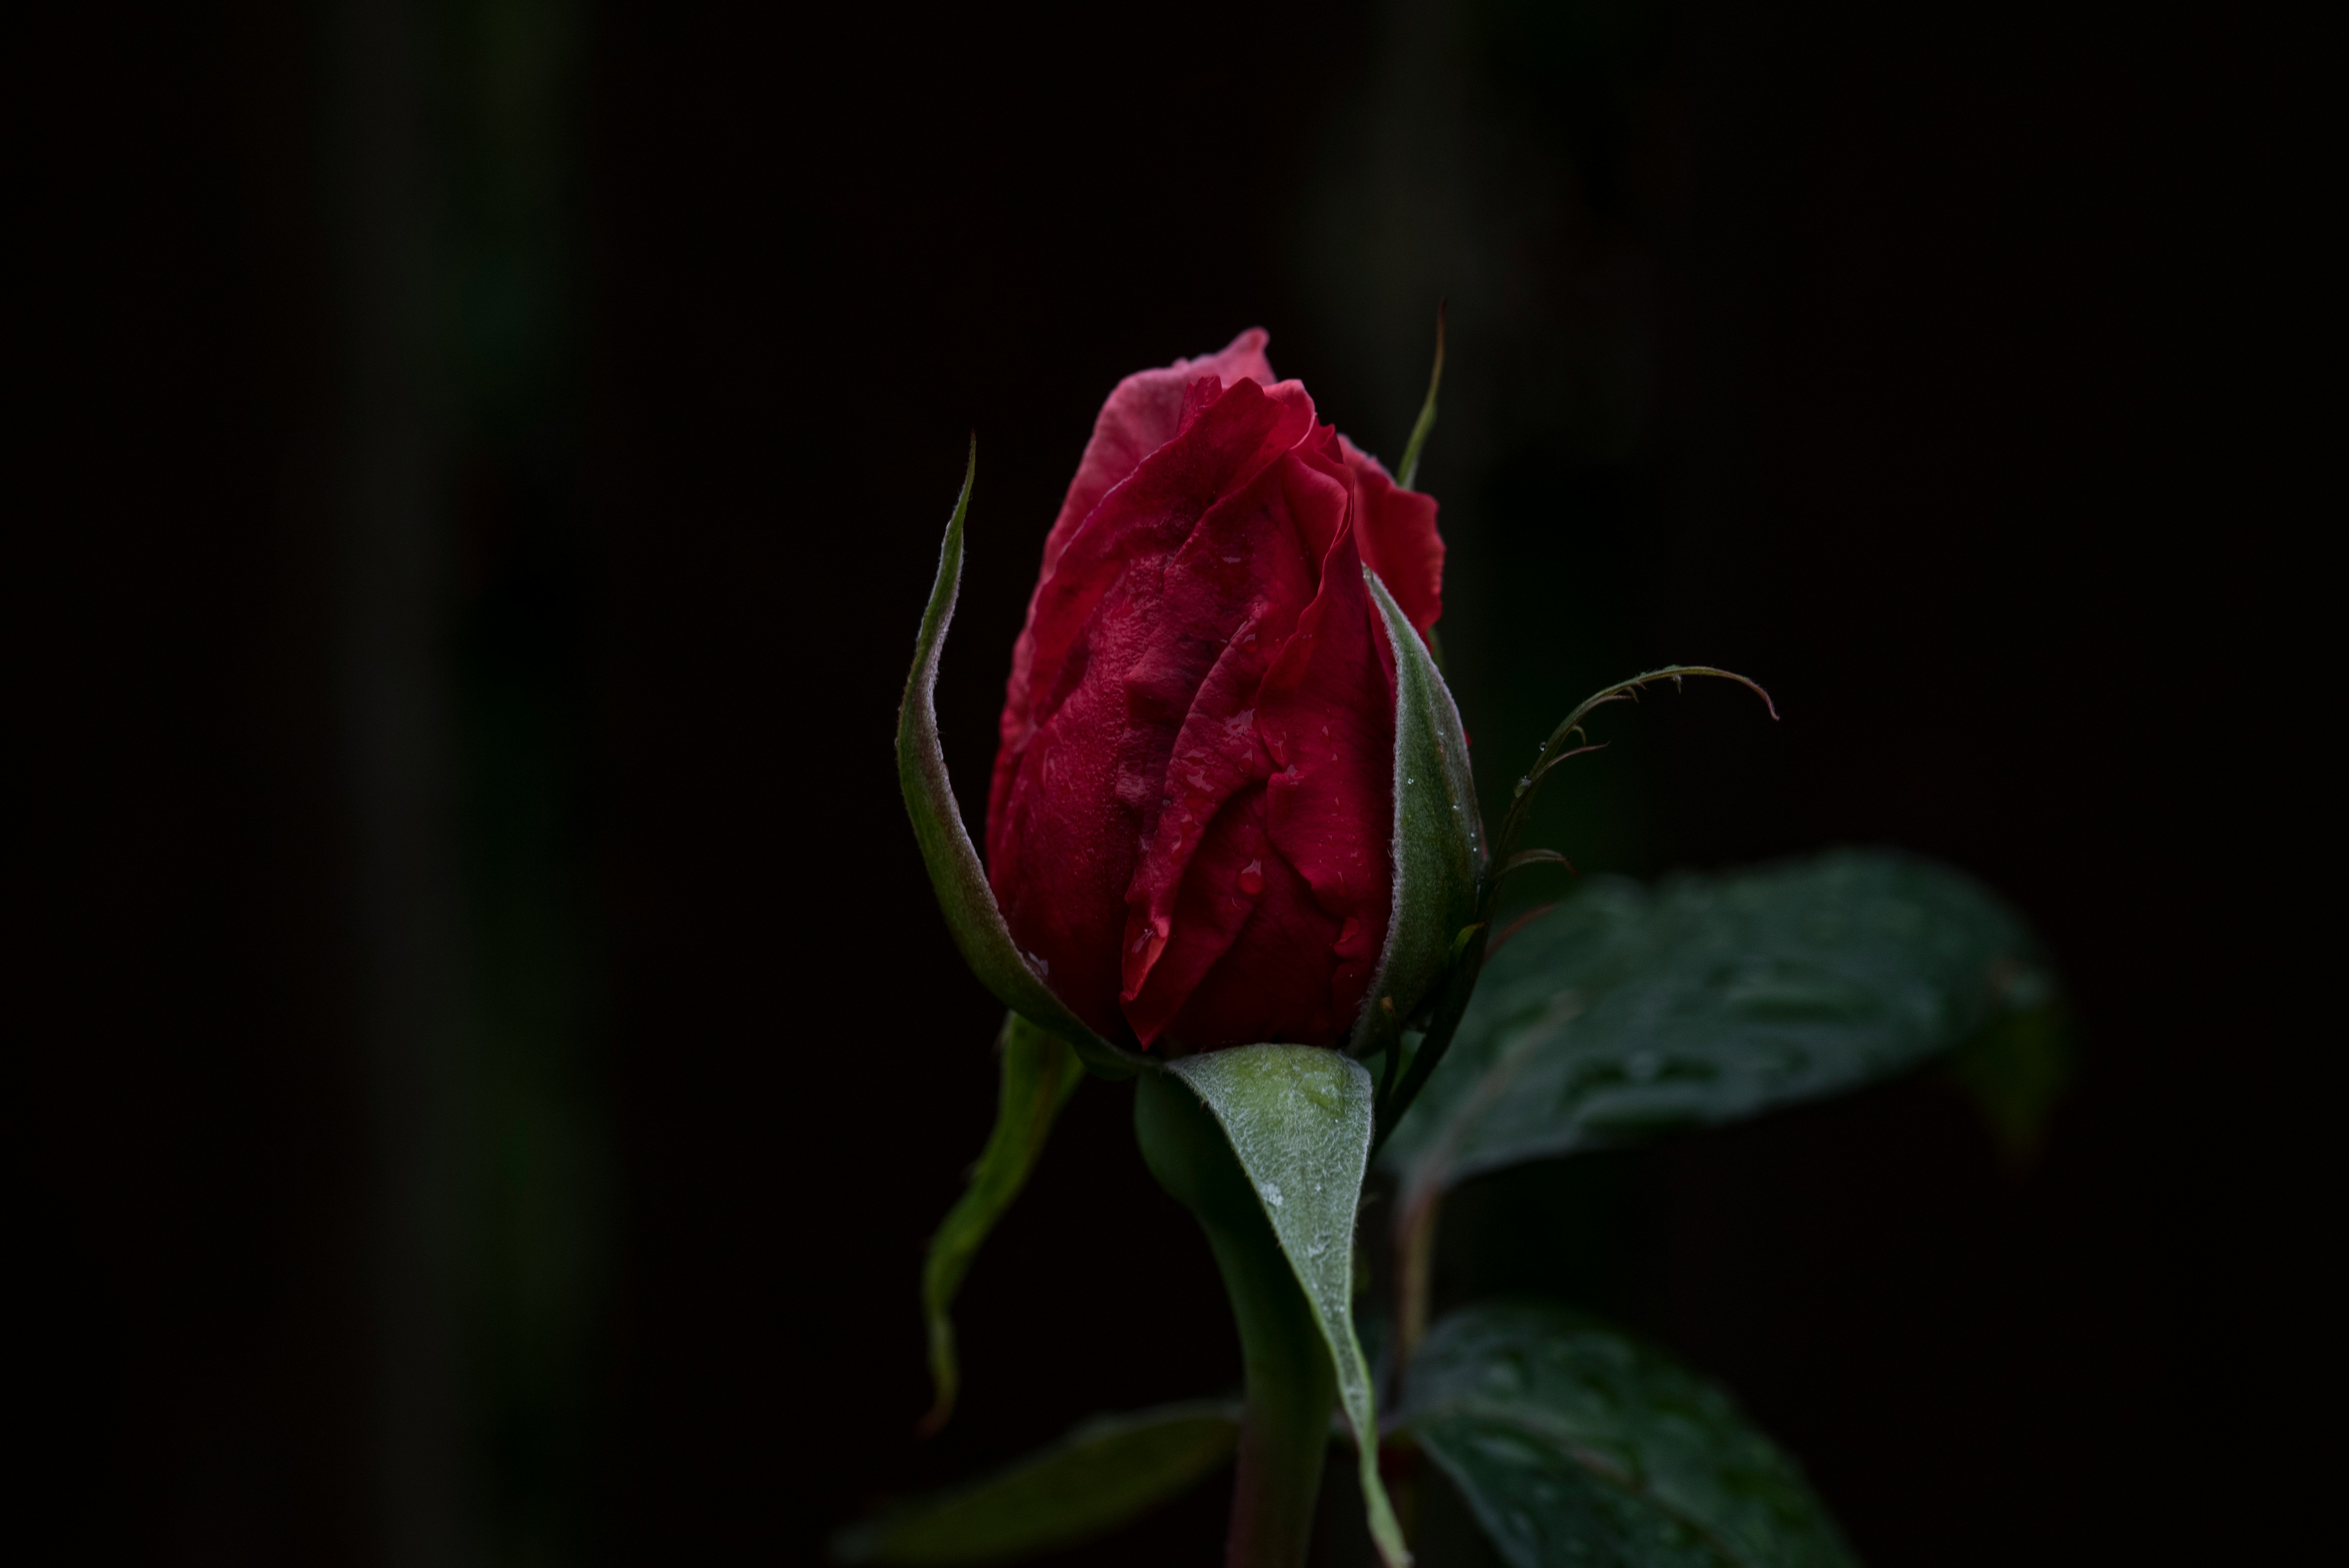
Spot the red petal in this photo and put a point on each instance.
(1139, 418)
(1271, 979)
(1232, 595)
(1395, 531)
(1065, 818)
(1142, 414)
(1327, 715)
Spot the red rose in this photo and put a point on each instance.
(1190, 821)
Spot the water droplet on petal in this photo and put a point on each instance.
(1252, 878)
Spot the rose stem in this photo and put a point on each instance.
(1292, 1388)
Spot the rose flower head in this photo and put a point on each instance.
(1191, 825)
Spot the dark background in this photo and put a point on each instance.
(487, 1057)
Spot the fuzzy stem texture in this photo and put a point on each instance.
(1291, 1386)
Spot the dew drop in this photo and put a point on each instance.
(1252, 878)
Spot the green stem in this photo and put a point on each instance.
(1291, 1386)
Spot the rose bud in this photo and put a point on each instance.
(1192, 830)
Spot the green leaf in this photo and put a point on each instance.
(1576, 1445)
(1107, 1471)
(1439, 837)
(1299, 1118)
(961, 882)
(1039, 1073)
(1625, 1012)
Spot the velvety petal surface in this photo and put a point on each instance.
(1272, 982)
(1327, 716)
(1242, 581)
(1140, 417)
(1076, 791)
(1395, 529)
(1190, 824)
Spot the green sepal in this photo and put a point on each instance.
(1298, 1119)
(1574, 1444)
(1438, 846)
(1407, 474)
(1109, 1471)
(964, 896)
(1039, 1073)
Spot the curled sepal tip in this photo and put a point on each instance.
(968, 902)
(1555, 749)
